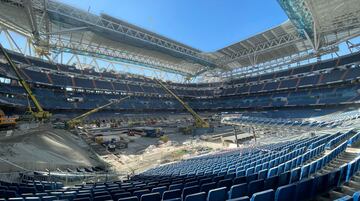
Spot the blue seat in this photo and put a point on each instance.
(225, 183)
(196, 197)
(285, 193)
(173, 199)
(333, 179)
(151, 197)
(240, 173)
(81, 199)
(271, 183)
(132, 198)
(230, 176)
(245, 198)
(121, 195)
(263, 174)
(217, 178)
(160, 189)
(192, 183)
(312, 168)
(272, 172)
(250, 171)
(343, 172)
(239, 180)
(139, 193)
(170, 194)
(208, 186)
(205, 181)
(304, 189)
(48, 198)
(190, 190)
(320, 183)
(304, 172)
(295, 175)
(356, 196)
(251, 178)
(32, 199)
(345, 198)
(284, 179)
(255, 186)
(287, 166)
(176, 186)
(238, 190)
(352, 168)
(280, 169)
(101, 198)
(217, 194)
(267, 195)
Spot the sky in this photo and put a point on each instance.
(207, 25)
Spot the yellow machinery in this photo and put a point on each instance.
(78, 120)
(6, 122)
(40, 113)
(199, 122)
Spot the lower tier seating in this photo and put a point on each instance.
(306, 169)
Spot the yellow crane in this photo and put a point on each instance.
(199, 122)
(40, 113)
(78, 120)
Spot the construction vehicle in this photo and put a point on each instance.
(79, 119)
(40, 113)
(199, 123)
(6, 122)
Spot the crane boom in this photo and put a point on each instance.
(199, 122)
(40, 113)
(77, 120)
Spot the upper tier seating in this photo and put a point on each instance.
(349, 71)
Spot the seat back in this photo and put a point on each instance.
(345, 198)
(271, 183)
(196, 197)
(190, 190)
(151, 197)
(117, 196)
(139, 193)
(267, 195)
(225, 183)
(217, 194)
(263, 174)
(245, 198)
(285, 193)
(170, 194)
(176, 186)
(102, 197)
(255, 186)
(238, 190)
(206, 187)
(239, 180)
(295, 175)
(160, 189)
(304, 189)
(132, 198)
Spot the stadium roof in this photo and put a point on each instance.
(314, 27)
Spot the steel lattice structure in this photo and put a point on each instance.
(315, 27)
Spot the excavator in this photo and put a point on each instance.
(40, 113)
(199, 123)
(72, 123)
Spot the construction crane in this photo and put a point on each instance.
(39, 113)
(199, 122)
(78, 120)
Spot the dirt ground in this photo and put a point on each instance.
(45, 148)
